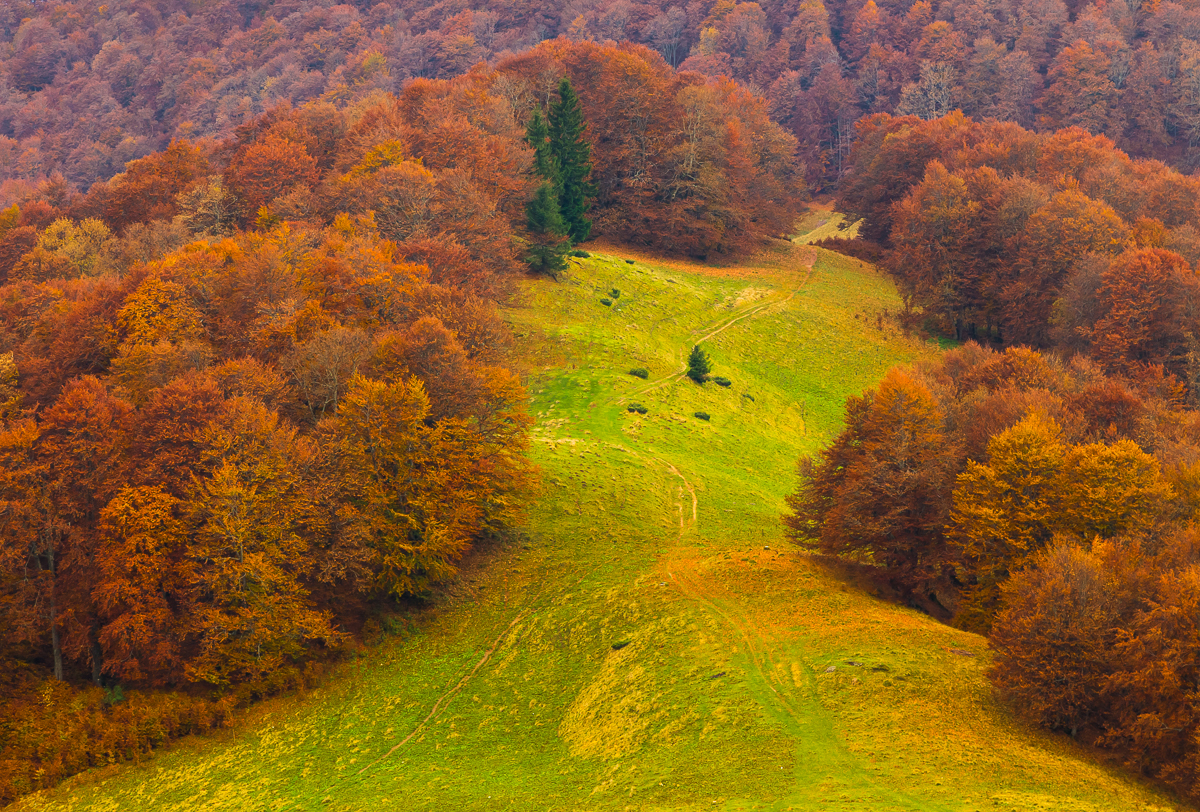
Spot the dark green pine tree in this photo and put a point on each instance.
(698, 365)
(573, 156)
(548, 243)
(537, 135)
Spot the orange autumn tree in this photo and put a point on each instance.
(250, 610)
(880, 493)
(149, 187)
(397, 473)
(1034, 486)
(144, 583)
(1147, 301)
(1055, 634)
(1104, 642)
(265, 170)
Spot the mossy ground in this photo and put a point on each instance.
(731, 686)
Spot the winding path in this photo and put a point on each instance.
(445, 698)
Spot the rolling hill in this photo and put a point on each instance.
(651, 641)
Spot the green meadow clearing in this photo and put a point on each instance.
(651, 642)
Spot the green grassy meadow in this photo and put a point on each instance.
(652, 642)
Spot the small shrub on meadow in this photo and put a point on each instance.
(606, 302)
(640, 372)
(636, 407)
(722, 381)
(702, 415)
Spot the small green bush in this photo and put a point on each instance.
(393, 626)
(636, 407)
(616, 294)
(579, 252)
(748, 397)
(640, 372)
(606, 302)
(630, 261)
(702, 415)
(721, 381)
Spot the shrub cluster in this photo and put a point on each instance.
(49, 730)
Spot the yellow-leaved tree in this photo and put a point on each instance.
(252, 614)
(1033, 486)
(411, 492)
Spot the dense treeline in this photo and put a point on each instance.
(85, 87)
(283, 420)
(1050, 505)
(1048, 240)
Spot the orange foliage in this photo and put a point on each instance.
(180, 519)
(263, 171)
(1050, 505)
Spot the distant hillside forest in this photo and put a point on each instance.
(87, 86)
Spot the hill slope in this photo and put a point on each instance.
(654, 643)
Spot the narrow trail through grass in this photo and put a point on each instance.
(446, 697)
(652, 642)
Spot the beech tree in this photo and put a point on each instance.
(880, 492)
(251, 612)
(399, 473)
(1034, 486)
(1054, 636)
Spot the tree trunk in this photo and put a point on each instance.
(55, 643)
(97, 654)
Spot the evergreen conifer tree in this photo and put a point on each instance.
(548, 244)
(537, 135)
(572, 154)
(697, 365)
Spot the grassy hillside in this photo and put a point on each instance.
(653, 643)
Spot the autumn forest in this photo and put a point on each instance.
(261, 392)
